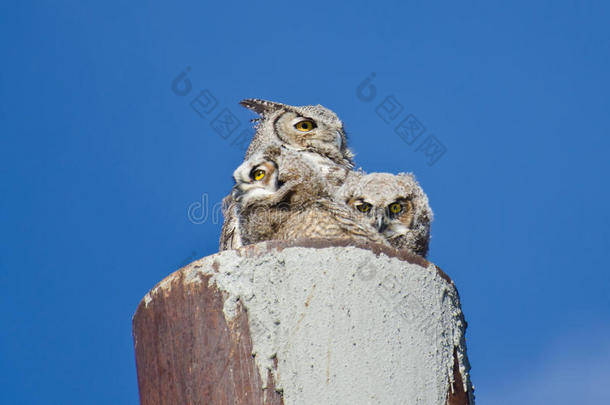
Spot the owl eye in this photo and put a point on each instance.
(305, 125)
(258, 174)
(395, 208)
(364, 207)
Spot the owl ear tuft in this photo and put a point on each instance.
(262, 107)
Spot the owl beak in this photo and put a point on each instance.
(338, 139)
(237, 192)
(380, 222)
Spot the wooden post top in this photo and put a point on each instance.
(303, 322)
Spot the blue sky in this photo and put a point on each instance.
(100, 161)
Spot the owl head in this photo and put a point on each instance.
(394, 204)
(313, 128)
(255, 179)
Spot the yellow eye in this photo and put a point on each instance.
(305, 125)
(364, 207)
(395, 208)
(258, 174)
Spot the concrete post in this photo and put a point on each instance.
(303, 322)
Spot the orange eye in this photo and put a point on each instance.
(395, 208)
(258, 174)
(305, 125)
(364, 207)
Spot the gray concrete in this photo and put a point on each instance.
(344, 325)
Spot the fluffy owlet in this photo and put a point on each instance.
(280, 196)
(315, 133)
(394, 204)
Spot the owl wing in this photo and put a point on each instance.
(230, 235)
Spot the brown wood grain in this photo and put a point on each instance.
(186, 353)
(459, 396)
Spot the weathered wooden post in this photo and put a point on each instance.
(303, 322)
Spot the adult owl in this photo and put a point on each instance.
(315, 133)
(395, 205)
(312, 129)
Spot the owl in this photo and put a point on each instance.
(394, 204)
(314, 130)
(311, 135)
(279, 195)
(258, 181)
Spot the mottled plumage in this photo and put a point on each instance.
(278, 125)
(306, 136)
(297, 182)
(281, 196)
(395, 204)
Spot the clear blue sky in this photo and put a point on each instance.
(100, 160)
